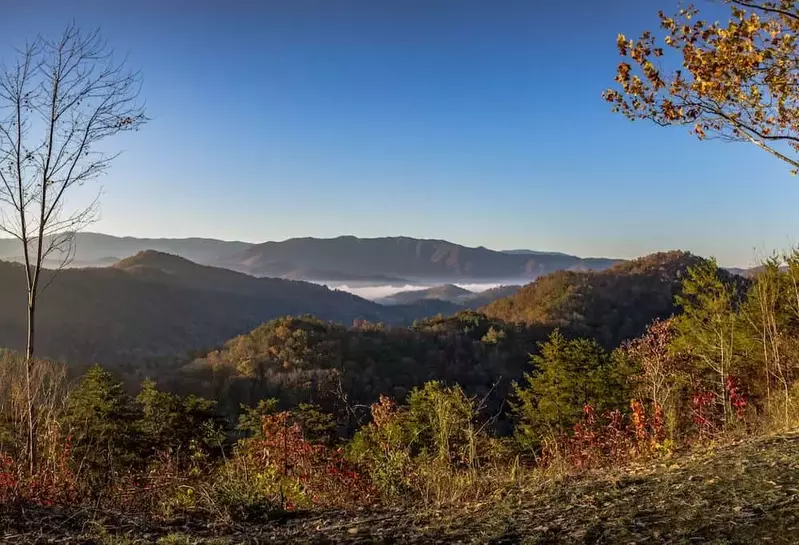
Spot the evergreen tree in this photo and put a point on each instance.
(706, 329)
(317, 425)
(251, 418)
(569, 374)
(102, 422)
(171, 423)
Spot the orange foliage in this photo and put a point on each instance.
(609, 438)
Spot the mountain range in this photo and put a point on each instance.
(344, 259)
(155, 305)
(296, 358)
(415, 260)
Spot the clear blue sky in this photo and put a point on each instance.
(476, 122)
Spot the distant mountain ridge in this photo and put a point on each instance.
(345, 259)
(533, 252)
(459, 262)
(404, 257)
(99, 250)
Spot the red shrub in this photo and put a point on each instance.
(704, 412)
(610, 438)
(8, 478)
(321, 472)
(52, 483)
(737, 398)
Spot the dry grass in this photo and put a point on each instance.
(746, 492)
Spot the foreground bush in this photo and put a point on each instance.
(435, 450)
(282, 470)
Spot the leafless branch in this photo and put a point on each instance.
(58, 101)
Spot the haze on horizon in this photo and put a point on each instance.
(277, 120)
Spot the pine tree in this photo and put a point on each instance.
(706, 329)
(102, 421)
(569, 374)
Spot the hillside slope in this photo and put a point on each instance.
(740, 494)
(611, 305)
(413, 259)
(159, 305)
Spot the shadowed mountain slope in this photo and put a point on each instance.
(156, 305)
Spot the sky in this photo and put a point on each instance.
(479, 122)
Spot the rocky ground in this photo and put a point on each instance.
(742, 493)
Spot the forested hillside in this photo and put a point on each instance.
(610, 305)
(156, 306)
(159, 306)
(303, 360)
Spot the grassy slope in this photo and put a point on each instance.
(743, 493)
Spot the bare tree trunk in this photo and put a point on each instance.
(31, 409)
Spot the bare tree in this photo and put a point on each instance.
(661, 368)
(58, 100)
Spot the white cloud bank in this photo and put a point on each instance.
(382, 291)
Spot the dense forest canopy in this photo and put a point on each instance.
(610, 305)
(303, 360)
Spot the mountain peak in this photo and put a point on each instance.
(154, 259)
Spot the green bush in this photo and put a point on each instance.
(567, 376)
(432, 449)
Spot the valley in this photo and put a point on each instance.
(442, 294)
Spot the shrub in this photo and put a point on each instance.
(612, 437)
(384, 448)
(435, 449)
(8, 479)
(282, 470)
